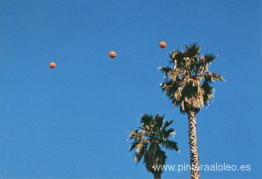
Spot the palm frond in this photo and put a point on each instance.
(140, 151)
(192, 50)
(211, 77)
(171, 145)
(208, 58)
(135, 134)
(158, 120)
(216, 77)
(208, 92)
(133, 146)
(177, 55)
(169, 132)
(166, 70)
(146, 119)
(167, 123)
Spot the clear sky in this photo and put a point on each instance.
(73, 121)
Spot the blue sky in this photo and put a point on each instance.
(73, 122)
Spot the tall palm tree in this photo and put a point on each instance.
(149, 141)
(188, 84)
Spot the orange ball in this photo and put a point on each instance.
(52, 65)
(112, 54)
(162, 44)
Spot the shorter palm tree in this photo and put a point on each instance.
(149, 141)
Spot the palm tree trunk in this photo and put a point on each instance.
(194, 160)
(157, 175)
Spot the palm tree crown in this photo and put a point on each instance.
(187, 82)
(149, 140)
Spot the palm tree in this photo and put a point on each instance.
(188, 84)
(149, 141)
